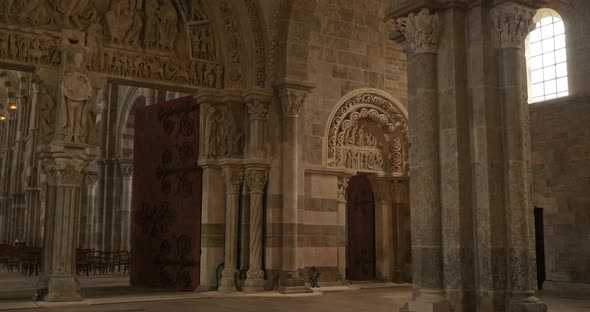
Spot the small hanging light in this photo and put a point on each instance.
(12, 105)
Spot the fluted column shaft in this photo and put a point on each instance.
(256, 180)
(233, 177)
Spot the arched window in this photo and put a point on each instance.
(547, 61)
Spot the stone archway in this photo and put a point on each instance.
(368, 136)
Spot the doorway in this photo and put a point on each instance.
(360, 216)
(540, 247)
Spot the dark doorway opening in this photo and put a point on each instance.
(360, 216)
(540, 247)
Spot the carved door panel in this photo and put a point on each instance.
(360, 216)
(166, 205)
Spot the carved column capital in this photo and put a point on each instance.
(382, 190)
(421, 31)
(256, 180)
(511, 23)
(233, 177)
(292, 101)
(258, 110)
(91, 178)
(126, 166)
(342, 186)
(64, 171)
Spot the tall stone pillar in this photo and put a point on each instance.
(32, 190)
(292, 96)
(256, 178)
(384, 228)
(511, 23)
(422, 31)
(233, 176)
(89, 227)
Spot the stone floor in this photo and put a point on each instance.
(112, 294)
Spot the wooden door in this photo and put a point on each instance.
(166, 205)
(360, 216)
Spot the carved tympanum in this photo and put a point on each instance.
(368, 132)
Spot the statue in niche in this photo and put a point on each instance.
(233, 137)
(132, 36)
(151, 24)
(77, 91)
(213, 134)
(167, 29)
(46, 105)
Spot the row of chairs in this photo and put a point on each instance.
(90, 261)
(27, 260)
(22, 259)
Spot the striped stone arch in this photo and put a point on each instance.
(368, 132)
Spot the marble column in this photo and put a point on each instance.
(421, 30)
(384, 228)
(233, 176)
(256, 178)
(511, 24)
(292, 97)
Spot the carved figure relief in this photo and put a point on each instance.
(223, 135)
(34, 49)
(368, 132)
(46, 104)
(214, 132)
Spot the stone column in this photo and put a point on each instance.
(32, 190)
(342, 184)
(292, 96)
(400, 219)
(384, 228)
(422, 31)
(511, 23)
(64, 169)
(90, 227)
(124, 225)
(256, 178)
(233, 176)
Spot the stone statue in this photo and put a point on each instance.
(213, 133)
(150, 34)
(119, 20)
(91, 112)
(168, 24)
(46, 104)
(233, 136)
(77, 91)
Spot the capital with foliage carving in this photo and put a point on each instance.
(256, 180)
(126, 166)
(64, 171)
(233, 177)
(292, 101)
(91, 178)
(258, 109)
(342, 186)
(511, 24)
(421, 31)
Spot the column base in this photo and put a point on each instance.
(427, 301)
(526, 304)
(254, 281)
(290, 282)
(63, 289)
(228, 282)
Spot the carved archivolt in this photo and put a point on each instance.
(369, 132)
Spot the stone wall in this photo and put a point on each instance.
(349, 49)
(560, 134)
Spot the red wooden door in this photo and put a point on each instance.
(360, 217)
(166, 205)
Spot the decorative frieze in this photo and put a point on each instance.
(511, 23)
(421, 30)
